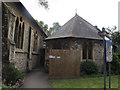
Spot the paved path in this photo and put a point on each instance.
(36, 79)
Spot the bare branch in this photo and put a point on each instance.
(44, 3)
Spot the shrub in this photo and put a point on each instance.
(11, 75)
(88, 67)
(115, 64)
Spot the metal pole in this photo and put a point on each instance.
(109, 75)
(104, 64)
(104, 75)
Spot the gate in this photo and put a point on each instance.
(64, 64)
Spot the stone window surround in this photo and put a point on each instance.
(38, 39)
(18, 49)
(93, 59)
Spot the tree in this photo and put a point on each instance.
(49, 32)
(56, 26)
(111, 30)
(45, 28)
(42, 25)
(116, 37)
(43, 3)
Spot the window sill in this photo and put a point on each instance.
(19, 50)
(87, 60)
(35, 53)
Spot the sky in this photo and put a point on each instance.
(103, 13)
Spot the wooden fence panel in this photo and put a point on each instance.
(64, 64)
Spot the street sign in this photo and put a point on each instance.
(108, 50)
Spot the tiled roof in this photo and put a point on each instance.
(76, 27)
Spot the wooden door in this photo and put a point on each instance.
(64, 64)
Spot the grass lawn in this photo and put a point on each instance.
(85, 82)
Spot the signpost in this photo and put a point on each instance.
(108, 58)
(108, 50)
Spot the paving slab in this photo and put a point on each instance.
(36, 79)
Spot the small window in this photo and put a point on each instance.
(84, 50)
(90, 50)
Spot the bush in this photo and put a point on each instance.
(88, 67)
(115, 65)
(11, 75)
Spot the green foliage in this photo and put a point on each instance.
(40, 23)
(113, 34)
(111, 30)
(45, 28)
(56, 26)
(49, 32)
(115, 64)
(88, 67)
(11, 74)
(115, 37)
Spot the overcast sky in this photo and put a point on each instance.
(103, 13)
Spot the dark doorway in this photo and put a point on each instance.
(42, 57)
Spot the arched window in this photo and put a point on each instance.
(87, 50)
(19, 33)
(22, 35)
(35, 44)
(19, 36)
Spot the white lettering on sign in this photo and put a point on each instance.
(51, 56)
(58, 57)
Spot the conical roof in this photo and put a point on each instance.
(76, 27)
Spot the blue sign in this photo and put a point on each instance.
(108, 50)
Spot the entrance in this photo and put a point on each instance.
(42, 57)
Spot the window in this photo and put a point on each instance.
(90, 47)
(22, 34)
(87, 50)
(35, 44)
(57, 45)
(19, 33)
